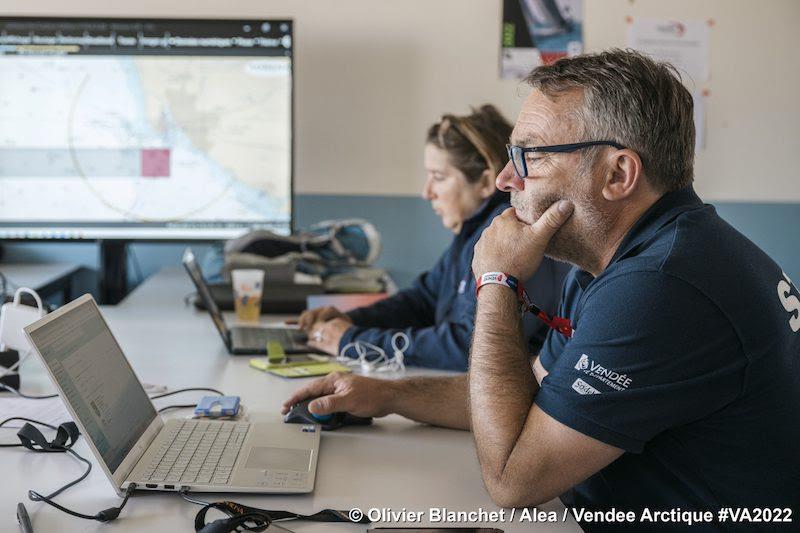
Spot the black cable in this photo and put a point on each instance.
(35, 496)
(27, 396)
(31, 420)
(105, 515)
(154, 397)
(181, 406)
(184, 493)
(191, 389)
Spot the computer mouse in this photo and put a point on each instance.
(299, 414)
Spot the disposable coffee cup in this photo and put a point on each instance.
(248, 289)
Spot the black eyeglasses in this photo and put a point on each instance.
(517, 153)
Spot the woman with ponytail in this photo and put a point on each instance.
(463, 155)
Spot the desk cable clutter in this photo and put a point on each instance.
(373, 358)
(14, 316)
(66, 436)
(243, 517)
(240, 517)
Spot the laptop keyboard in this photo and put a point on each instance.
(197, 451)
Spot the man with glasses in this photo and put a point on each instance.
(671, 377)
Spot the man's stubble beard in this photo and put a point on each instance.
(578, 240)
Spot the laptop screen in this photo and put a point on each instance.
(96, 380)
(190, 264)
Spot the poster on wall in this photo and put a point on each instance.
(538, 32)
(684, 43)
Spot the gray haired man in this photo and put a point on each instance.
(672, 378)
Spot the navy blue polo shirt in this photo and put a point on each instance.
(686, 356)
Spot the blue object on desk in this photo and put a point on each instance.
(216, 406)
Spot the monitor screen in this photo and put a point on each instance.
(144, 129)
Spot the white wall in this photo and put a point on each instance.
(753, 109)
(371, 75)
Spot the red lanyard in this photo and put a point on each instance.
(560, 324)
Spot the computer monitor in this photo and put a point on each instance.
(144, 129)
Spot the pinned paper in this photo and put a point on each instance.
(684, 43)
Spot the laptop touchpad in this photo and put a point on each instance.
(268, 457)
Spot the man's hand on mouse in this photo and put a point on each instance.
(515, 247)
(321, 314)
(325, 336)
(357, 395)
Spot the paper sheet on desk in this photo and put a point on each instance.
(50, 411)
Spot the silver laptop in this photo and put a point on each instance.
(131, 441)
(243, 340)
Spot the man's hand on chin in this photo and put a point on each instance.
(514, 247)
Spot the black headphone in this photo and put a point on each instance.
(66, 436)
(247, 518)
(255, 519)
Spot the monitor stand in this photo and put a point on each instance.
(113, 271)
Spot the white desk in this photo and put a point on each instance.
(394, 463)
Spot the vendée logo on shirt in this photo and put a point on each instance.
(612, 378)
(583, 363)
